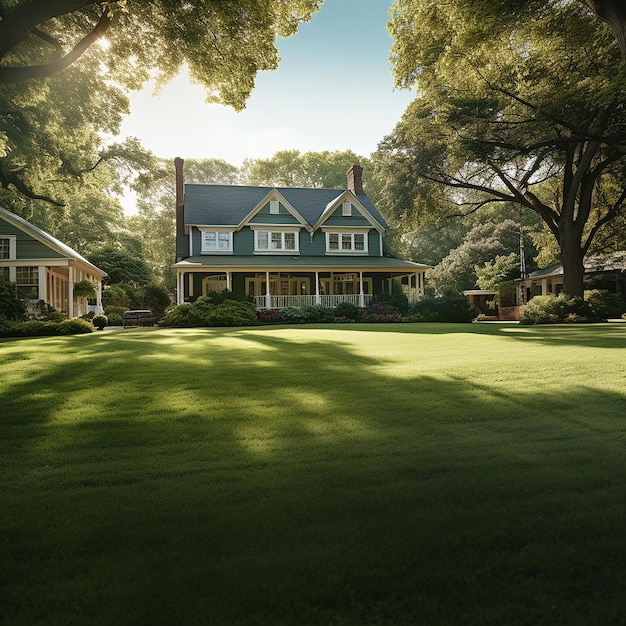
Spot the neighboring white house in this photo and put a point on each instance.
(45, 269)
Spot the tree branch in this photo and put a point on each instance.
(17, 25)
(12, 179)
(610, 214)
(19, 74)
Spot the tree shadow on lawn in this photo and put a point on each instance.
(203, 484)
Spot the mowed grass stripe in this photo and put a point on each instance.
(357, 474)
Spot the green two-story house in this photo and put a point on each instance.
(285, 246)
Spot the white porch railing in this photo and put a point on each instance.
(280, 302)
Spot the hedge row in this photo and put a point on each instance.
(38, 328)
(209, 310)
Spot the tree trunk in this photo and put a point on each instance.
(613, 12)
(572, 258)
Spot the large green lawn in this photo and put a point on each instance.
(344, 475)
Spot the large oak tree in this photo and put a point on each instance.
(60, 93)
(517, 102)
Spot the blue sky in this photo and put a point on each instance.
(333, 90)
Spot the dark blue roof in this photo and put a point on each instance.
(226, 205)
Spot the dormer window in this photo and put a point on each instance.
(274, 207)
(346, 209)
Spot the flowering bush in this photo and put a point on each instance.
(380, 312)
(269, 315)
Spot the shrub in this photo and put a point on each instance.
(317, 313)
(74, 327)
(116, 295)
(291, 315)
(380, 312)
(204, 313)
(11, 306)
(551, 309)
(396, 298)
(605, 304)
(38, 328)
(347, 310)
(55, 316)
(233, 313)
(115, 319)
(114, 310)
(178, 316)
(99, 321)
(447, 308)
(267, 316)
(217, 297)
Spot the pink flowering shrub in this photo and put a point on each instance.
(269, 315)
(380, 312)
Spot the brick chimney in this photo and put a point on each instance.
(355, 179)
(180, 208)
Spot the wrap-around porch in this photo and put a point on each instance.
(276, 288)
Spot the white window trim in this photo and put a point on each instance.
(204, 250)
(12, 247)
(274, 229)
(340, 232)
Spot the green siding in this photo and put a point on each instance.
(336, 219)
(317, 247)
(373, 243)
(265, 217)
(243, 243)
(28, 247)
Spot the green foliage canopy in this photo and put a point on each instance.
(290, 168)
(60, 94)
(224, 44)
(459, 270)
(522, 107)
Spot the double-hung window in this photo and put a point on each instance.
(275, 241)
(27, 281)
(7, 247)
(217, 242)
(346, 243)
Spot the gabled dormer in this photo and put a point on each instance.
(276, 225)
(348, 227)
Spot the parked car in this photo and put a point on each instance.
(138, 317)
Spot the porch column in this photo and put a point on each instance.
(42, 286)
(317, 288)
(229, 280)
(99, 308)
(361, 295)
(179, 287)
(268, 297)
(70, 291)
(544, 287)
